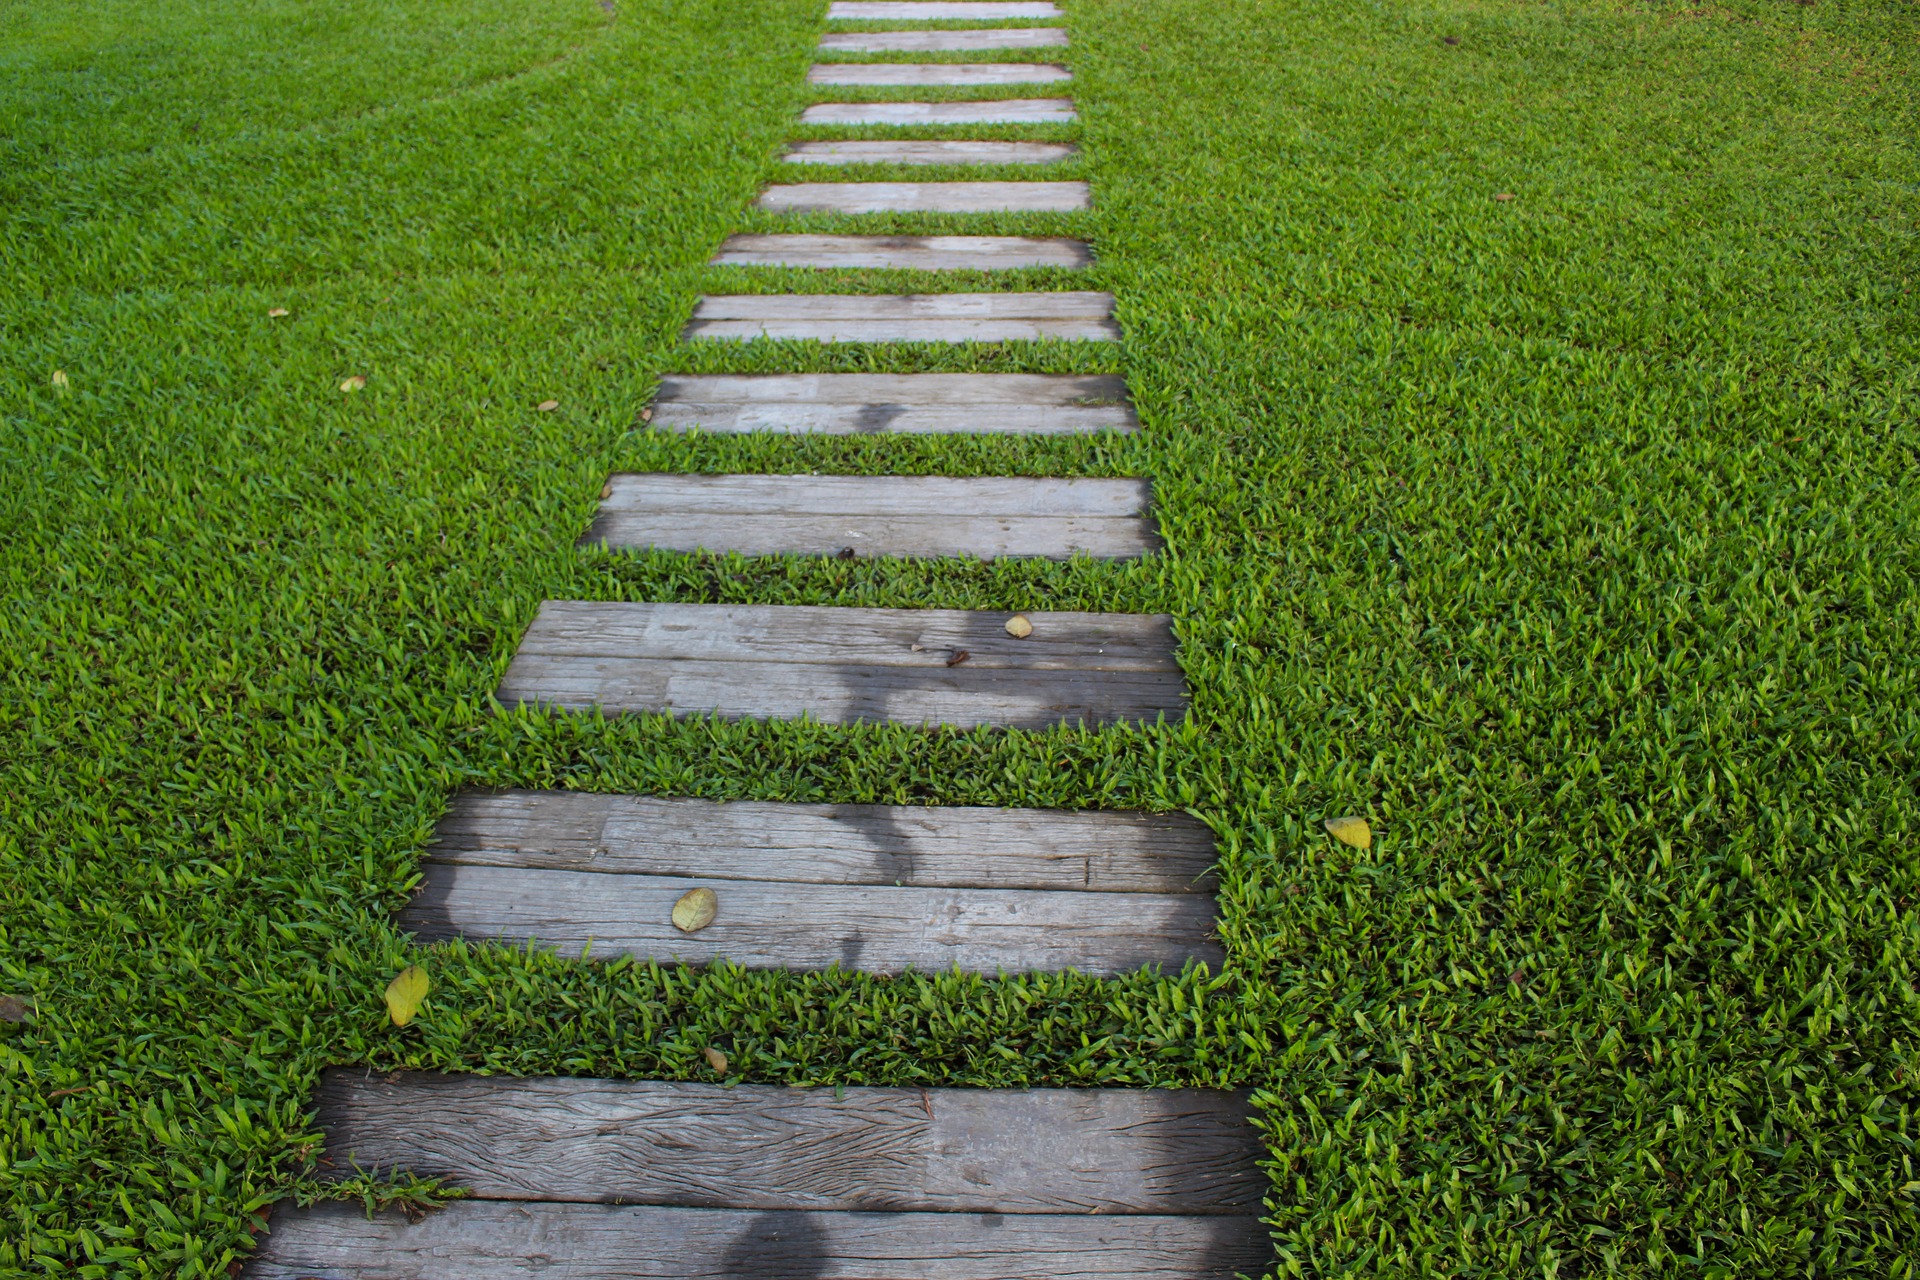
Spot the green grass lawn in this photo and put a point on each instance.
(1571, 538)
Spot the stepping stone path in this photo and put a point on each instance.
(683, 1181)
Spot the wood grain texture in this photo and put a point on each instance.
(939, 10)
(929, 151)
(929, 846)
(931, 197)
(883, 929)
(912, 253)
(1006, 111)
(507, 1240)
(944, 41)
(766, 1147)
(862, 404)
(937, 73)
(924, 317)
(985, 516)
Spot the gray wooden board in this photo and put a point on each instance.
(974, 517)
(915, 253)
(509, 1240)
(846, 665)
(797, 926)
(916, 403)
(917, 317)
(928, 197)
(929, 846)
(944, 41)
(769, 1147)
(939, 10)
(956, 73)
(1007, 111)
(929, 151)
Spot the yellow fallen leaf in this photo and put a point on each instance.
(405, 993)
(716, 1059)
(277, 312)
(1018, 627)
(60, 382)
(354, 383)
(547, 406)
(606, 490)
(1351, 831)
(695, 910)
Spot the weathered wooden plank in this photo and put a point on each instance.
(957, 697)
(939, 10)
(916, 253)
(929, 151)
(928, 197)
(944, 41)
(799, 926)
(1006, 111)
(914, 640)
(506, 1240)
(940, 73)
(857, 403)
(975, 517)
(662, 492)
(924, 317)
(924, 845)
(1006, 1151)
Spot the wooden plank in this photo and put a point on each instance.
(916, 253)
(941, 73)
(505, 1240)
(929, 151)
(928, 197)
(746, 496)
(922, 317)
(1006, 111)
(922, 845)
(976, 517)
(944, 41)
(829, 638)
(856, 403)
(766, 1147)
(787, 925)
(939, 10)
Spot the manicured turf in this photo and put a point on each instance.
(1570, 538)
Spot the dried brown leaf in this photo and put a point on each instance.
(1019, 626)
(716, 1059)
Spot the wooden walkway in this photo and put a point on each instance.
(633, 1178)
(598, 1179)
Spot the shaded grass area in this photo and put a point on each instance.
(1570, 538)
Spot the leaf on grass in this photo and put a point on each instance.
(405, 993)
(547, 406)
(957, 657)
(1351, 831)
(60, 382)
(716, 1059)
(1504, 195)
(646, 415)
(1019, 627)
(606, 491)
(15, 1008)
(277, 312)
(695, 910)
(354, 383)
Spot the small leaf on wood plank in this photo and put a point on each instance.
(957, 657)
(716, 1059)
(695, 910)
(1019, 627)
(276, 312)
(1351, 831)
(547, 406)
(405, 993)
(355, 383)
(14, 1008)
